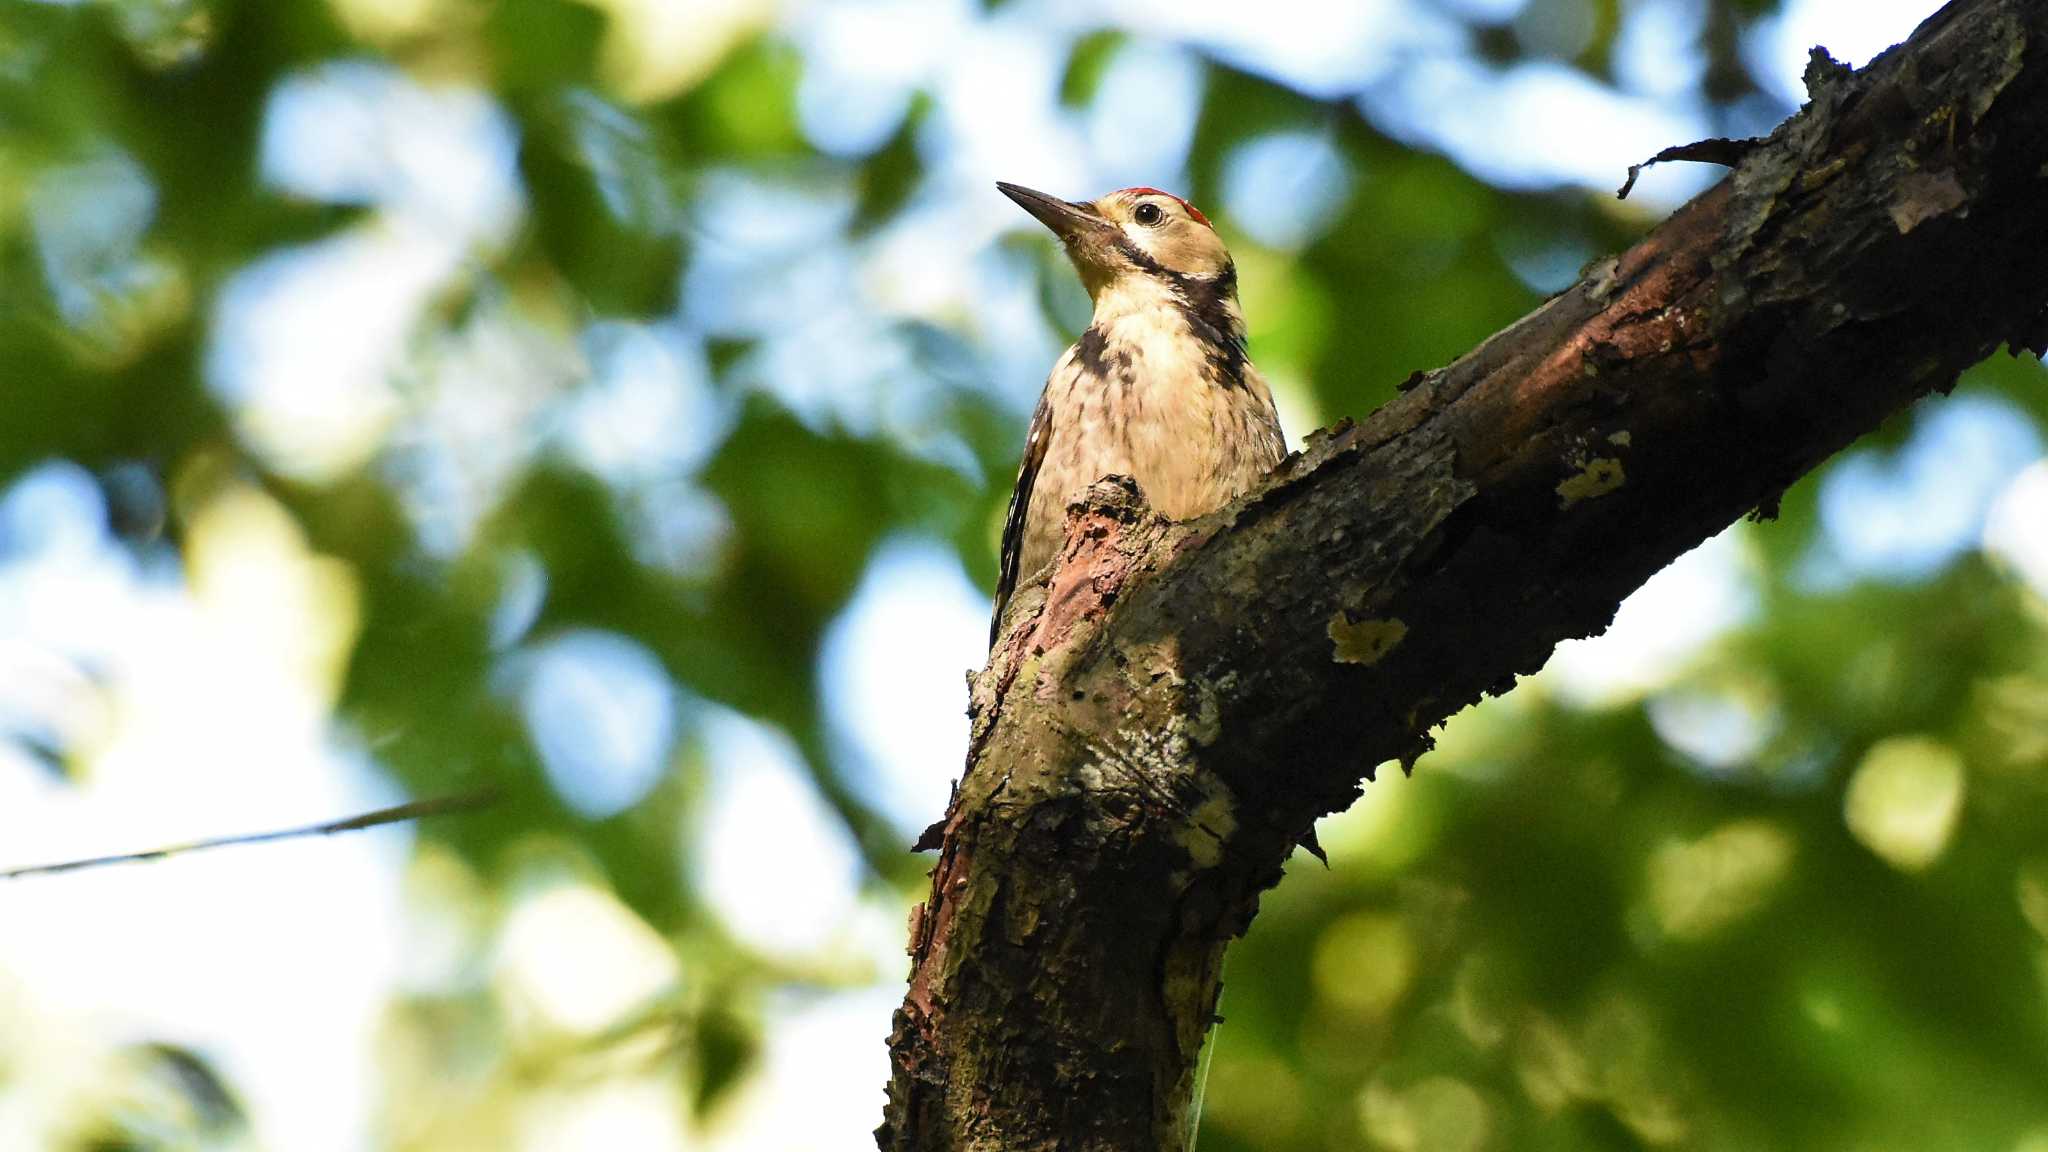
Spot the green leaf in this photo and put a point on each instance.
(1086, 65)
(727, 1048)
(538, 46)
(889, 177)
(745, 110)
(605, 213)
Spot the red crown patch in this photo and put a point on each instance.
(1192, 210)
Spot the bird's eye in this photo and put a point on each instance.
(1148, 214)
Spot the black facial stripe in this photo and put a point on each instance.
(1205, 304)
(1141, 258)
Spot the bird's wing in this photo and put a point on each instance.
(1020, 505)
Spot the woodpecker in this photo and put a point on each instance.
(1159, 388)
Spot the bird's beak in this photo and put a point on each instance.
(1066, 219)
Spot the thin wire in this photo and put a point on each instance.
(416, 810)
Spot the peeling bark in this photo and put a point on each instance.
(1155, 734)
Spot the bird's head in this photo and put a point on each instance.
(1129, 233)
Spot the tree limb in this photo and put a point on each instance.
(1151, 741)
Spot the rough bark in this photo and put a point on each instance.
(1153, 737)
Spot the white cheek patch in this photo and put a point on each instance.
(1142, 238)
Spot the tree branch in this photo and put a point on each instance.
(1150, 743)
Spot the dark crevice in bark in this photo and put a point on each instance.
(1156, 730)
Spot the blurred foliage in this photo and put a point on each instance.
(1571, 929)
(1587, 938)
